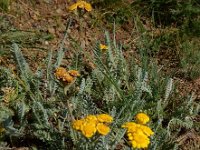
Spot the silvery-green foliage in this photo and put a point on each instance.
(40, 113)
(5, 113)
(111, 80)
(22, 64)
(115, 86)
(22, 108)
(29, 106)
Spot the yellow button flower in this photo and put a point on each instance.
(91, 118)
(60, 71)
(73, 7)
(93, 123)
(103, 129)
(77, 124)
(88, 129)
(142, 118)
(139, 140)
(74, 73)
(105, 118)
(129, 125)
(130, 136)
(138, 134)
(82, 5)
(66, 76)
(88, 6)
(103, 47)
(146, 130)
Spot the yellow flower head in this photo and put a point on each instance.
(73, 7)
(103, 129)
(142, 118)
(88, 129)
(92, 123)
(77, 124)
(146, 130)
(105, 118)
(66, 76)
(60, 71)
(91, 118)
(82, 5)
(74, 73)
(139, 140)
(129, 125)
(103, 47)
(138, 134)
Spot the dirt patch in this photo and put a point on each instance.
(189, 141)
(186, 87)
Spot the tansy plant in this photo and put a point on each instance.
(67, 78)
(92, 124)
(138, 133)
(79, 8)
(40, 109)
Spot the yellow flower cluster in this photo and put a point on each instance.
(82, 5)
(66, 76)
(137, 133)
(92, 124)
